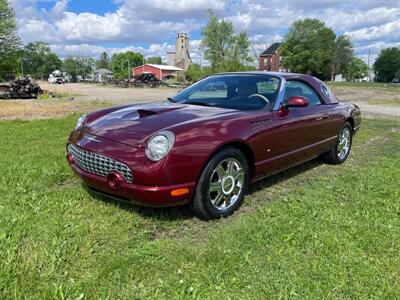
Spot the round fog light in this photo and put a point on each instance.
(115, 180)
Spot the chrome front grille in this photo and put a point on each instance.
(98, 164)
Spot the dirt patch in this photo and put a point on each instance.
(90, 92)
(359, 94)
(39, 109)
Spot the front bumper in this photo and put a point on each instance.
(154, 196)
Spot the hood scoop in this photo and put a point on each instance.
(145, 113)
(139, 113)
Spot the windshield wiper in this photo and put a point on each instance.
(198, 103)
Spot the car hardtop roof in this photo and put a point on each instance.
(288, 76)
(277, 74)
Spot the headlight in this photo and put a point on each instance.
(159, 145)
(80, 121)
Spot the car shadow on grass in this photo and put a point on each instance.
(283, 176)
(184, 213)
(160, 213)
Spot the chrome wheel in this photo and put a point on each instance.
(344, 143)
(226, 184)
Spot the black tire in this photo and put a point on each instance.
(202, 203)
(333, 157)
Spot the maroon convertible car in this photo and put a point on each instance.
(211, 140)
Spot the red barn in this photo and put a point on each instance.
(160, 71)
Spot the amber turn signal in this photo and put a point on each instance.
(179, 192)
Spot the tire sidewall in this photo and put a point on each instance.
(204, 181)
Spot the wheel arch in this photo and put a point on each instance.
(242, 146)
(351, 121)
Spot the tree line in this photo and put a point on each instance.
(309, 47)
(38, 61)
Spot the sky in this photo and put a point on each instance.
(83, 27)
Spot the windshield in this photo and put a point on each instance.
(237, 91)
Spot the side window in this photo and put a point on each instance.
(213, 90)
(267, 87)
(298, 88)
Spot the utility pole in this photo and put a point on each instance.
(76, 69)
(369, 58)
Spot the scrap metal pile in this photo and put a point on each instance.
(24, 88)
(141, 81)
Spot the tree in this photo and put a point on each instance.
(308, 48)
(154, 60)
(9, 41)
(387, 64)
(194, 73)
(397, 75)
(225, 50)
(342, 54)
(38, 60)
(355, 69)
(103, 62)
(78, 66)
(122, 63)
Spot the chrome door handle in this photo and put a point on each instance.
(323, 117)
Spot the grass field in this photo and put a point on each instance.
(315, 231)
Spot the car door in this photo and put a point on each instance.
(314, 120)
(297, 134)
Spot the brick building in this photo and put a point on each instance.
(271, 60)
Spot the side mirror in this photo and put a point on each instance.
(297, 101)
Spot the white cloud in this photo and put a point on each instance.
(170, 9)
(89, 26)
(377, 46)
(132, 22)
(38, 30)
(59, 8)
(389, 30)
(355, 19)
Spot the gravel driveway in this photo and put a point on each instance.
(90, 92)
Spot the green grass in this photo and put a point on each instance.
(385, 102)
(315, 231)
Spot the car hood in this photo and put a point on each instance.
(132, 125)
